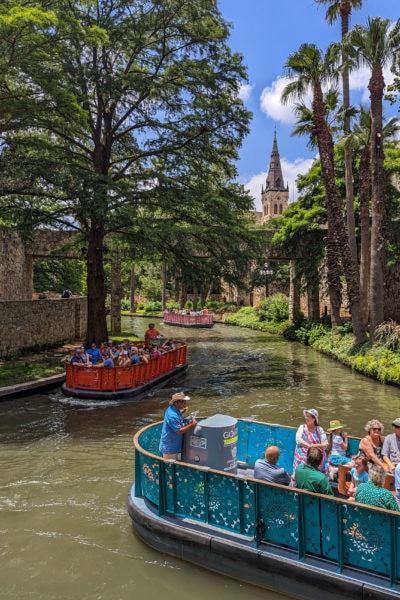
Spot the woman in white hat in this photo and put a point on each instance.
(310, 434)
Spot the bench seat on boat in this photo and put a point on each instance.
(344, 480)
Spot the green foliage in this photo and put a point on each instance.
(246, 317)
(153, 307)
(189, 305)
(274, 308)
(310, 332)
(172, 304)
(214, 305)
(388, 334)
(125, 304)
(55, 275)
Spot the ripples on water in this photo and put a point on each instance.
(67, 468)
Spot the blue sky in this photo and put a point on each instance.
(265, 32)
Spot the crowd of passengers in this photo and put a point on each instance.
(318, 455)
(124, 354)
(186, 311)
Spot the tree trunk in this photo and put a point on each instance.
(294, 293)
(378, 208)
(195, 298)
(116, 297)
(365, 251)
(338, 249)
(132, 289)
(96, 292)
(345, 10)
(163, 286)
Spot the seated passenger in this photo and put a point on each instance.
(124, 360)
(267, 469)
(103, 349)
(309, 477)
(94, 354)
(359, 474)
(108, 362)
(156, 352)
(337, 448)
(373, 493)
(371, 445)
(134, 356)
(77, 358)
(85, 357)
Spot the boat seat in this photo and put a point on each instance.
(344, 480)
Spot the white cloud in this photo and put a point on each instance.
(290, 172)
(271, 104)
(245, 92)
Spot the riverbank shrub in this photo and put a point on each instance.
(274, 308)
(375, 361)
(247, 316)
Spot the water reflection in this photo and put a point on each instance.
(66, 470)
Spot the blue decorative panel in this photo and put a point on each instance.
(223, 502)
(150, 478)
(190, 493)
(367, 539)
(278, 509)
(330, 528)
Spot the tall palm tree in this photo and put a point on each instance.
(376, 45)
(308, 69)
(360, 140)
(342, 9)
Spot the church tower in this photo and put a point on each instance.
(275, 195)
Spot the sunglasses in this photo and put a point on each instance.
(376, 429)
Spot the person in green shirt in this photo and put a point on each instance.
(373, 493)
(309, 477)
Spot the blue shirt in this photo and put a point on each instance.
(94, 355)
(135, 359)
(77, 358)
(171, 441)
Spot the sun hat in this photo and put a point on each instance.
(396, 422)
(178, 396)
(313, 412)
(335, 424)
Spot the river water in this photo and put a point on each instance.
(66, 469)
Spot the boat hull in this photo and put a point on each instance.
(124, 382)
(191, 321)
(237, 557)
(274, 536)
(125, 394)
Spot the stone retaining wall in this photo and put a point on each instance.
(28, 323)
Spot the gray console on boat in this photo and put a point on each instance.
(213, 443)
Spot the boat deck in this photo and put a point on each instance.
(272, 535)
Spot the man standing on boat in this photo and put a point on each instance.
(267, 469)
(174, 427)
(151, 333)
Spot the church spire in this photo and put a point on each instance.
(275, 177)
(275, 195)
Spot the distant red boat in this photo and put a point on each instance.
(115, 383)
(188, 320)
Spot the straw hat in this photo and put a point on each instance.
(178, 396)
(335, 424)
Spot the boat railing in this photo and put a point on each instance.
(188, 319)
(100, 378)
(346, 534)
